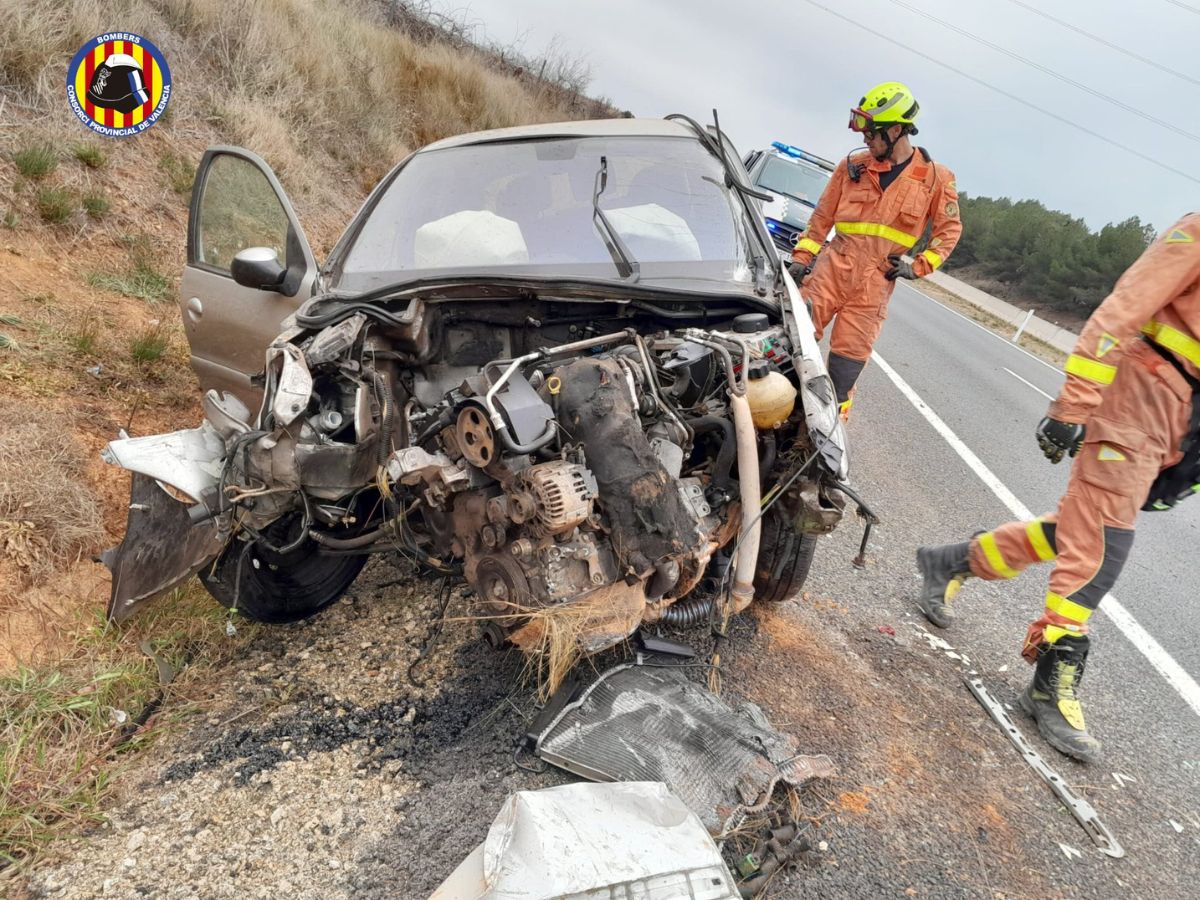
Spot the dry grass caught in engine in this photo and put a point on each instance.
(47, 518)
(557, 637)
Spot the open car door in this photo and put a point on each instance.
(249, 266)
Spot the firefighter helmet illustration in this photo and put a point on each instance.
(118, 84)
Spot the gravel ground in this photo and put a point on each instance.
(319, 770)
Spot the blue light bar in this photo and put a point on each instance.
(797, 153)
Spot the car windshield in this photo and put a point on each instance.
(795, 179)
(526, 207)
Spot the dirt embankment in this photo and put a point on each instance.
(92, 230)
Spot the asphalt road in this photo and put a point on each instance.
(991, 395)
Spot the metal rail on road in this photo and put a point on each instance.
(1083, 811)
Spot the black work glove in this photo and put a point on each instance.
(901, 268)
(1056, 438)
(799, 272)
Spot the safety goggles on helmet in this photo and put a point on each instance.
(861, 121)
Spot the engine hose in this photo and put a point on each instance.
(751, 491)
(352, 543)
(767, 462)
(688, 612)
(728, 451)
(387, 417)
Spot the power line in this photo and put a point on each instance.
(1107, 43)
(1191, 9)
(1162, 123)
(991, 87)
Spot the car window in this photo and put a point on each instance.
(527, 206)
(238, 209)
(794, 179)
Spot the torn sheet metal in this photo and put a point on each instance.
(642, 723)
(189, 460)
(593, 841)
(161, 548)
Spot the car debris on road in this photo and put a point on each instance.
(634, 839)
(649, 722)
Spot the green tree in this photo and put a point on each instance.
(1044, 254)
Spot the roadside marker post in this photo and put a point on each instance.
(1021, 328)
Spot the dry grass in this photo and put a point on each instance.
(36, 162)
(149, 344)
(55, 204)
(90, 155)
(48, 517)
(67, 723)
(555, 638)
(363, 77)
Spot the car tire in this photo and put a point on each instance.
(280, 588)
(784, 558)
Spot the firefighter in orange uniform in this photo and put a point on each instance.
(879, 201)
(1129, 412)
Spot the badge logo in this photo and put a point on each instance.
(118, 84)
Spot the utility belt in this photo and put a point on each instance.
(1181, 480)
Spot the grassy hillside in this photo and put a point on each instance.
(331, 94)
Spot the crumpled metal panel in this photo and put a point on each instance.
(162, 547)
(593, 842)
(643, 723)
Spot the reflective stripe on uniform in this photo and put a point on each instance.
(1069, 608)
(874, 229)
(933, 259)
(987, 543)
(1052, 633)
(1037, 540)
(808, 244)
(1090, 369)
(1174, 340)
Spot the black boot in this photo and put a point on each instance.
(944, 569)
(1051, 699)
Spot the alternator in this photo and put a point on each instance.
(562, 492)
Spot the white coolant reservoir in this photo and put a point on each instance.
(770, 395)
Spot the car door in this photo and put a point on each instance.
(238, 203)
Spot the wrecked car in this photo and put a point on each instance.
(561, 363)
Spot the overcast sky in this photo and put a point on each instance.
(786, 70)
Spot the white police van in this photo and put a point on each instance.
(795, 179)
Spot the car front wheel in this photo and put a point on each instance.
(784, 558)
(279, 587)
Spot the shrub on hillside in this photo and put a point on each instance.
(37, 161)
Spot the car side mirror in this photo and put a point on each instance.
(258, 268)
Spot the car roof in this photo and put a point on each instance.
(580, 128)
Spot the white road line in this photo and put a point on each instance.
(1159, 658)
(1029, 383)
(985, 329)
